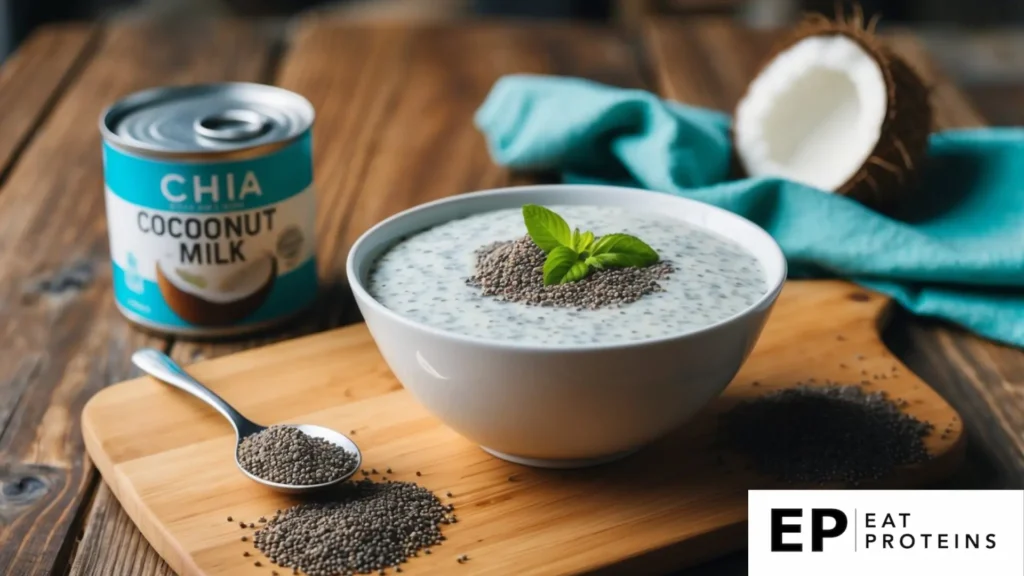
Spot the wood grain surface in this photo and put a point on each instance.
(63, 339)
(34, 78)
(169, 458)
(38, 494)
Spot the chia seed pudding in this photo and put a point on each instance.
(424, 278)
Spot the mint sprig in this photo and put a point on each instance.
(547, 229)
(571, 254)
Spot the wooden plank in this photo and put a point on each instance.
(709, 63)
(33, 79)
(169, 457)
(28, 90)
(706, 62)
(32, 82)
(113, 545)
(63, 338)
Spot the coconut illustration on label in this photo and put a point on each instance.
(222, 301)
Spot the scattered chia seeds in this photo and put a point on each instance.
(286, 455)
(514, 272)
(367, 527)
(825, 434)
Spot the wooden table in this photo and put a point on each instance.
(394, 106)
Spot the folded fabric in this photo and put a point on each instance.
(957, 255)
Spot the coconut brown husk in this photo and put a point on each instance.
(890, 173)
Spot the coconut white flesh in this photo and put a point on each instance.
(237, 284)
(814, 114)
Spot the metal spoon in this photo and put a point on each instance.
(160, 366)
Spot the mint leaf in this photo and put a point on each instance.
(585, 242)
(559, 264)
(547, 229)
(619, 260)
(578, 272)
(625, 248)
(572, 254)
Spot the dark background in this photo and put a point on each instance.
(19, 17)
(979, 43)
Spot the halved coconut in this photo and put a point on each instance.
(834, 108)
(199, 301)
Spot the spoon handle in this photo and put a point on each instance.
(162, 367)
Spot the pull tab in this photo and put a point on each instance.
(233, 124)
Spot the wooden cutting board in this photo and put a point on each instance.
(168, 458)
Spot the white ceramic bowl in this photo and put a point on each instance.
(563, 406)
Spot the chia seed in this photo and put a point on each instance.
(825, 434)
(286, 455)
(367, 527)
(514, 272)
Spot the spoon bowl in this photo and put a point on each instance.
(332, 436)
(163, 368)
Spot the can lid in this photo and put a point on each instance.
(226, 117)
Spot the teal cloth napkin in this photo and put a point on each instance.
(959, 256)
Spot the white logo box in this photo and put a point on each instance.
(905, 532)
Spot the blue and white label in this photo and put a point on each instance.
(212, 244)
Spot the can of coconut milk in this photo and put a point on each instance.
(210, 207)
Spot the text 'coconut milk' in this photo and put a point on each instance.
(210, 207)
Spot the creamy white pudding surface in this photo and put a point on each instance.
(423, 278)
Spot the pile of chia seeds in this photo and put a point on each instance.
(367, 527)
(514, 271)
(825, 434)
(286, 455)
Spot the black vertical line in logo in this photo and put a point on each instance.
(854, 529)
